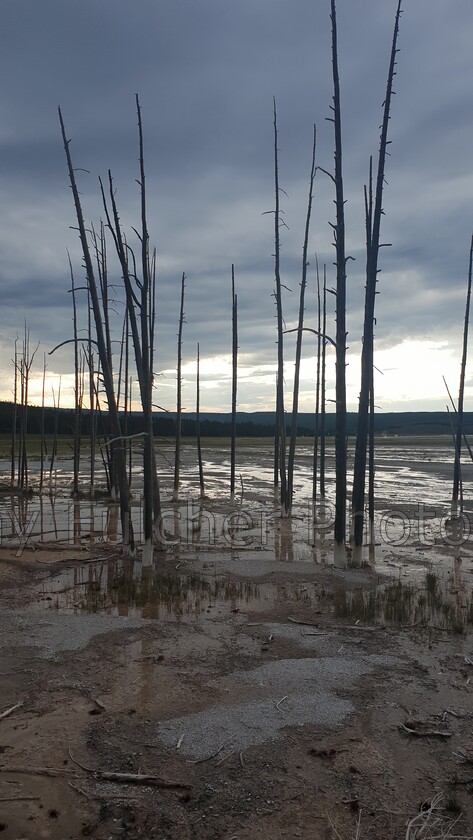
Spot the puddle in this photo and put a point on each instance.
(120, 588)
(123, 588)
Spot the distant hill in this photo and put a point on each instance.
(249, 424)
(389, 423)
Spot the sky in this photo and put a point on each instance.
(206, 72)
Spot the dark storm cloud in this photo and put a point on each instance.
(206, 72)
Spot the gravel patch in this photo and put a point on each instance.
(56, 632)
(246, 725)
(300, 692)
(258, 564)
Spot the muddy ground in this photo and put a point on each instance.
(259, 709)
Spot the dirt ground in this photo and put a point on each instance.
(256, 709)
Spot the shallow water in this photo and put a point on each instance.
(121, 587)
(413, 489)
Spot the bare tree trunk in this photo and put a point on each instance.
(42, 435)
(456, 508)
(276, 442)
(21, 430)
(127, 394)
(15, 413)
(297, 368)
(100, 247)
(130, 448)
(146, 310)
(92, 409)
(127, 529)
(281, 420)
(322, 387)
(76, 444)
(371, 474)
(373, 225)
(177, 455)
(143, 338)
(234, 384)
(317, 389)
(341, 332)
(197, 429)
(25, 369)
(56, 426)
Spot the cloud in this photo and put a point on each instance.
(206, 73)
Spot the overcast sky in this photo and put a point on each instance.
(206, 72)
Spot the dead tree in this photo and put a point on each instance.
(297, 367)
(127, 529)
(126, 379)
(317, 389)
(197, 428)
(280, 417)
(15, 415)
(456, 507)
(92, 402)
(373, 212)
(42, 430)
(340, 312)
(26, 363)
(371, 475)
(140, 302)
(147, 318)
(100, 249)
(57, 407)
(276, 444)
(77, 409)
(234, 384)
(177, 455)
(322, 386)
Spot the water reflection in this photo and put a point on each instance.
(411, 524)
(124, 587)
(441, 601)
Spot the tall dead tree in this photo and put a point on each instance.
(197, 428)
(234, 384)
(177, 454)
(315, 466)
(57, 407)
(92, 402)
(456, 507)
(42, 430)
(15, 415)
(147, 318)
(276, 445)
(300, 327)
(280, 416)
(77, 407)
(99, 243)
(26, 363)
(140, 302)
(374, 212)
(124, 492)
(322, 386)
(371, 475)
(340, 314)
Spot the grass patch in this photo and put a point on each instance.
(428, 603)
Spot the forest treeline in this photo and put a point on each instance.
(254, 424)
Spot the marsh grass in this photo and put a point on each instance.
(429, 603)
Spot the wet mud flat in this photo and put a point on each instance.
(230, 694)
